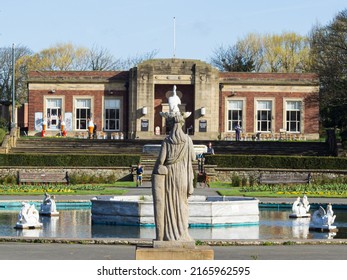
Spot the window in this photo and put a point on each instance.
(83, 107)
(112, 114)
(234, 113)
(53, 112)
(264, 116)
(293, 114)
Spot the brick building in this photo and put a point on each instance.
(129, 102)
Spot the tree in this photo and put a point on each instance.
(132, 61)
(61, 57)
(288, 52)
(329, 60)
(67, 57)
(101, 59)
(230, 60)
(21, 52)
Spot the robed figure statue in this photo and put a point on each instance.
(172, 181)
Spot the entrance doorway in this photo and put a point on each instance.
(161, 95)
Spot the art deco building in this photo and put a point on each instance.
(128, 102)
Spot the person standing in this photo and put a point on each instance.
(210, 150)
(238, 131)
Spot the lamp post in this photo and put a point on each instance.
(13, 89)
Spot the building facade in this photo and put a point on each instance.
(129, 102)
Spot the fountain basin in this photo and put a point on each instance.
(207, 211)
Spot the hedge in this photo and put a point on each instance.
(68, 160)
(281, 162)
(2, 135)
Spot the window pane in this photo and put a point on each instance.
(264, 105)
(83, 124)
(112, 114)
(293, 115)
(235, 108)
(235, 105)
(112, 103)
(112, 124)
(83, 103)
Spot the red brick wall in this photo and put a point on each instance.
(311, 109)
(36, 103)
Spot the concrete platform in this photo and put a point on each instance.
(197, 253)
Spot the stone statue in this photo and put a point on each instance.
(300, 207)
(322, 218)
(174, 101)
(172, 181)
(28, 217)
(48, 206)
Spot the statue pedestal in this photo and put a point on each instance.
(28, 226)
(174, 244)
(174, 253)
(294, 216)
(42, 213)
(323, 228)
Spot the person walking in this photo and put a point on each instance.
(139, 173)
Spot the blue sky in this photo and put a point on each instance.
(128, 27)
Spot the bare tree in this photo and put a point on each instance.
(230, 59)
(101, 59)
(20, 73)
(132, 61)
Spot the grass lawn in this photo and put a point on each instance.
(223, 189)
(57, 189)
(328, 190)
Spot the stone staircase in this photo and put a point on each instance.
(77, 146)
(290, 148)
(100, 146)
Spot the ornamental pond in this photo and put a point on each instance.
(75, 221)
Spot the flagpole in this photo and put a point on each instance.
(174, 37)
(13, 87)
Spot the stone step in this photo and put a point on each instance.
(102, 146)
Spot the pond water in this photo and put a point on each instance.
(273, 224)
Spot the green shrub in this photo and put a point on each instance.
(85, 178)
(235, 180)
(67, 160)
(252, 181)
(283, 162)
(244, 182)
(4, 124)
(8, 179)
(2, 135)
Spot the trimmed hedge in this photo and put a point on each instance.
(2, 135)
(67, 160)
(282, 162)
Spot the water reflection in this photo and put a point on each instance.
(273, 224)
(300, 227)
